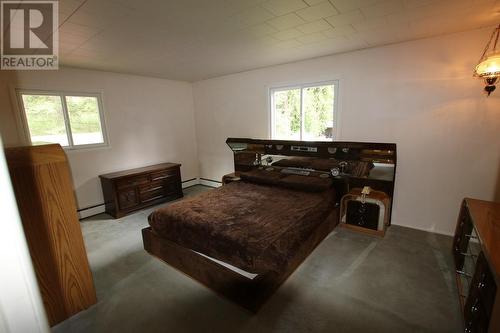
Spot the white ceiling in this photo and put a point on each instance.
(197, 39)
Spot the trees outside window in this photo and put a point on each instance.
(304, 113)
(72, 120)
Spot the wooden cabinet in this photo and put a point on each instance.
(129, 190)
(476, 251)
(44, 192)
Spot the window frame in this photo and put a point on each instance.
(62, 95)
(302, 86)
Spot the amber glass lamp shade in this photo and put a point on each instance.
(489, 67)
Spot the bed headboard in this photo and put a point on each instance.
(381, 157)
(252, 150)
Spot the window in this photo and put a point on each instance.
(72, 120)
(305, 112)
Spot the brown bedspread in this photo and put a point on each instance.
(253, 227)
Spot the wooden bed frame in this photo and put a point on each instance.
(251, 294)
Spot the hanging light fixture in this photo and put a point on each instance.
(488, 67)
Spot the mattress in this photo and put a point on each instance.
(255, 227)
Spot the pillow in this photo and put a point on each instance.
(296, 162)
(306, 183)
(261, 176)
(324, 164)
(295, 182)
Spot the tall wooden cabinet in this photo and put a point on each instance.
(45, 198)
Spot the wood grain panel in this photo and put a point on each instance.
(44, 193)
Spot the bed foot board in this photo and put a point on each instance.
(251, 294)
(218, 278)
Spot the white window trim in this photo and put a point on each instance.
(62, 95)
(336, 113)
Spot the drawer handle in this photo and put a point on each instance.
(475, 308)
(153, 198)
(464, 273)
(153, 189)
(482, 280)
(132, 182)
(163, 177)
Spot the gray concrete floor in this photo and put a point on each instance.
(350, 283)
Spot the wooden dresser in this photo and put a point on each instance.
(476, 250)
(44, 193)
(129, 190)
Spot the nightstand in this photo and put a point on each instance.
(369, 214)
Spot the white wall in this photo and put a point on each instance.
(21, 307)
(419, 94)
(148, 121)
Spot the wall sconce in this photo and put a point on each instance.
(488, 67)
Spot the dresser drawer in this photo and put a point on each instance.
(152, 195)
(475, 318)
(462, 237)
(132, 181)
(158, 189)
(163, 175)
(483, 285)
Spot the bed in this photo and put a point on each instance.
(255, 227)
(244, 239)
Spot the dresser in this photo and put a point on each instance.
(129, 190)
(45, 198)
(476, 251)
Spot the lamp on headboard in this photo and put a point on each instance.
(488, 67)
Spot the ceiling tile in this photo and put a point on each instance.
(316, 12)
(312, 38)
(282, 7)
(383, 8)
(289, 44)
(288, 34)
(313, 2)
(286, 21)
(316, 26)
(349, 5)
(267, 40)
(250, 16)
(417, 3)
(341, 30)
(370, 24)
(79, 30)
(345, 18)
(260, 30)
